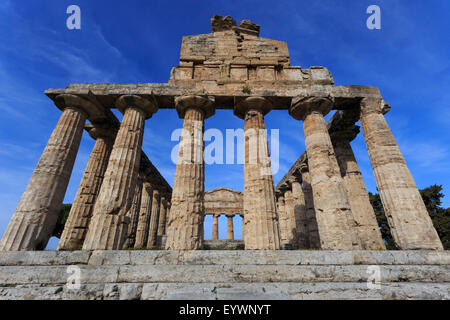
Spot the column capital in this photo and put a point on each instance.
(243, 105)
(344, 135)
(304, 168)
(101, 131)
(65, 100)
(292, 179)
(202, 103)
(374, 105)
(302, 106)
(148, 105)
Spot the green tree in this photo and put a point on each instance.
(432, 198)
(62, 218)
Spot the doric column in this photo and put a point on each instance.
(215, 227)
(243, 225)
(230, 230)
(282, 220)
(367, 227)
(333, 212)
(290, 218)
(301, 222)
(410, 223)
(144, 216)
(133, 213)
(154, 217)
(80, 214)
(311, 221)
(162, 216)
(185, 224)
(109, 223)
(261, 220)
(37, 212)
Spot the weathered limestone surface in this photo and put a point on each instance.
(162, 216)
(301, 221)
(109, 223)
(37, 212)
(154, 219)
(282, 221)
(313, 236)
(185, 223)
(406, 213)
(333, 213)
(226, 274)
(367, 227)
(290, 219)
(80, 214)
(133, 213)
(260, 216)
(144, 216)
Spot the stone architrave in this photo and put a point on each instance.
(162, 216)
(185, 223)
(261, 219)
(80, 214)
(366, 223)
(301, 222)
(230, 230)
(215, 227)
(36, 214)
(133, 213)
(333, 211)
(154, 219)
(409, 221)
(109, 223)
(144, 216)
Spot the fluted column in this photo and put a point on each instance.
(162, 216)
(366, 223)
(311, 221)
(261, 220)
(230, 230)
(215, 227)
(109, 223)
(333, 212)
(133, 213)
(290, 219)
(301, 222)
(185, 223)
(144, 216)
(282, 221)
(80, 214)
(154, 218)
(37, 212)
(410, 223)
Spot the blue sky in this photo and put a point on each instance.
(139, 41)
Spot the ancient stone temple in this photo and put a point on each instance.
(123, 202)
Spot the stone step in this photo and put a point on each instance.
(227, 291)
(224, 257)
(13, 275)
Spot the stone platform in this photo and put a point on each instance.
(225, 274)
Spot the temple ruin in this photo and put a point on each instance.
(124, 202)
